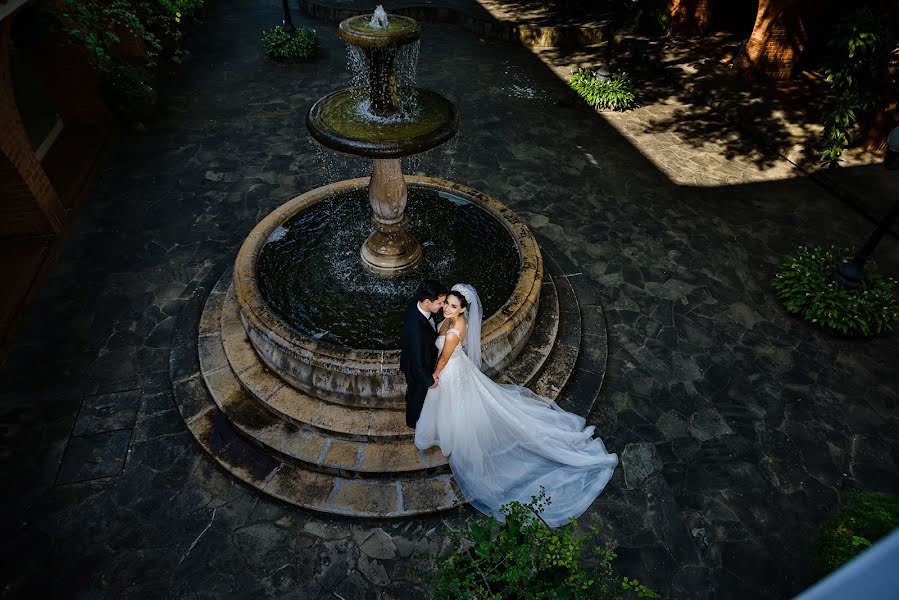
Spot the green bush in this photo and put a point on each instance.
(525, 559)
(805, 287)
(861, 70)
(616, 93)
(281, 46)
(95, 25)
(865, 518)
(652, 18)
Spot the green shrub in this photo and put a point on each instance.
(525, 559)
(865, 518)
(805, 287)
(862, 72)
(281, 46)
(652, 18)
(132, 90)
(616, 93)
(95, 25)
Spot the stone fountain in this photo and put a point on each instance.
(384, 121)
(299, 345)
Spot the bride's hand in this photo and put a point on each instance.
(436, 380)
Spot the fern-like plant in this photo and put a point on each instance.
(615, 93)
(524, 559)
(282, 46)
(805, 286)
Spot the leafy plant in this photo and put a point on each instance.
(93, 24)
(97, 26)
(282, 46)
(805, 287)
(526, 559)
(864, 518)
(615, 93)
(652, 17)
(862, 73)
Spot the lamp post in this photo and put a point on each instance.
(852, 273)
(288, 22)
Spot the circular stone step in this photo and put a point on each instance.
(398, 495)
(293, 405)
(310, 446)
(306, 488)
(320, 456)
(540, 365)
(333, 438)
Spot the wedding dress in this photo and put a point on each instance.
(504, 443)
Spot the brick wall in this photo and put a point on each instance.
(28, 203)
(777, 40)
(689, 17)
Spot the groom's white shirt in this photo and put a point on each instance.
(426, 315)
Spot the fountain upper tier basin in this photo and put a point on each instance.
(341, 121)
(399, 32)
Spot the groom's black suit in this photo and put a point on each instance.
(417, 359)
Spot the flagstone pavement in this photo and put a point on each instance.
(737, 424)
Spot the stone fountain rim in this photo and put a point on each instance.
(371, 148)
(377, 39)
(257, 314)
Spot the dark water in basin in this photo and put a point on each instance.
(310, 273)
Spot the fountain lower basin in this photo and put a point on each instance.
(356, 376)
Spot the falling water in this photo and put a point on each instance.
(517, 83)
(405, 65)
(440, 160)
(337, 166)
(358, 66)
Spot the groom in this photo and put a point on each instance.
(419, 355)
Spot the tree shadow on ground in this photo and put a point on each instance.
(779, 118)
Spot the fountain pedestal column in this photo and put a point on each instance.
(382, 78)
(390, 249)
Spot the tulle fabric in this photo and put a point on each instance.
(504, 443)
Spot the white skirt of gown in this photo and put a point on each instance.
(504, 443)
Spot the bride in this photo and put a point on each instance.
(503, 441)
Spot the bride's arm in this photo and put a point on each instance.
(449, 344)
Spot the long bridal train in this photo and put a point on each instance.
(504, 443)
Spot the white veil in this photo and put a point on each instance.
(475, 313)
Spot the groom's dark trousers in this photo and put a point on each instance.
(417, 359)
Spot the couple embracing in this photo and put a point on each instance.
(504, 442)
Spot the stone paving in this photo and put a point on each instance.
(736, 424)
